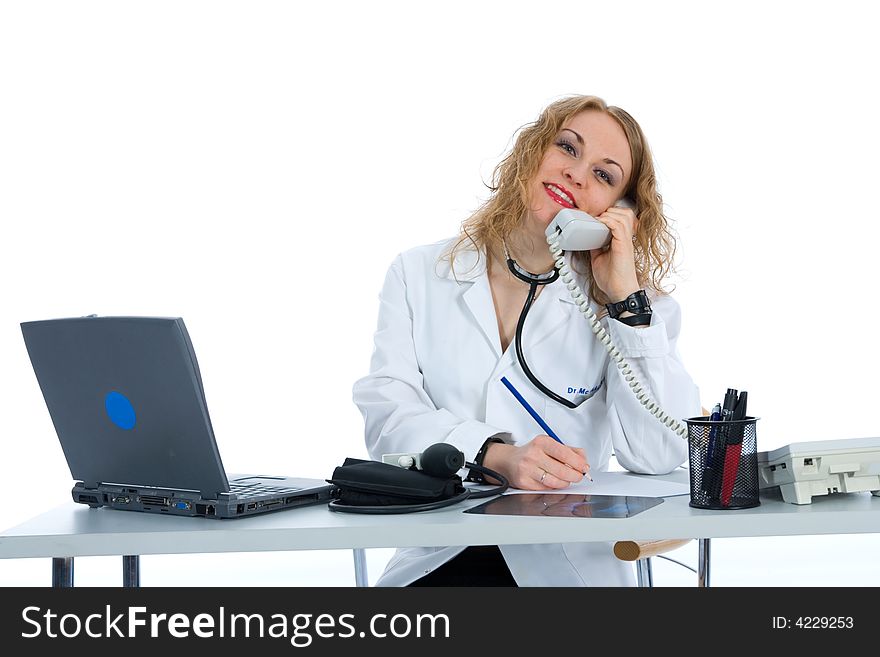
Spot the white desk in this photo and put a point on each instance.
(73, 530)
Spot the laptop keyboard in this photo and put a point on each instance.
(251, 489)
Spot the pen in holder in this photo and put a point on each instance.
(723, 459)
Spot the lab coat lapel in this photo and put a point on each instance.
(548, 313)
(478, 299)
(470, 270)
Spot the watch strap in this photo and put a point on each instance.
(642, 319)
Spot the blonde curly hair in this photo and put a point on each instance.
(503, 212)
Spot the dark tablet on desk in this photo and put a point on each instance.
(566, 506)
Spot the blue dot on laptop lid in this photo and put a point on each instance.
(119, 410)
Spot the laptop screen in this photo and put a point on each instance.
(126, 399)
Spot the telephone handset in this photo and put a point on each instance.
(574, 230)
(579, 231)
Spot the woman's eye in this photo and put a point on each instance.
(604, 175)
(568, 148)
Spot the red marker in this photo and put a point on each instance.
(733, 450)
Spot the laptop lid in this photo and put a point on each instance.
(126, 398)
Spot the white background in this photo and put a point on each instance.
(254, 168)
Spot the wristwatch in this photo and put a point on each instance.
(473, 475)
(637, 303)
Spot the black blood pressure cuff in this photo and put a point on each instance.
(361, 483)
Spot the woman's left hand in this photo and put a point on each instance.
(614, 266)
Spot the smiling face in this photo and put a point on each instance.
(587, 167)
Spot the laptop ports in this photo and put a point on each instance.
(154, 500)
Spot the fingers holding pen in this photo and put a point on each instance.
(553, 478)
(572, 460)
(540, 464)
(564, 465)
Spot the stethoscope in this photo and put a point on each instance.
(534, 280)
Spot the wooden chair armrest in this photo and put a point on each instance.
(635, 550)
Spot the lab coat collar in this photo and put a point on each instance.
(546, 315)
(470, 266)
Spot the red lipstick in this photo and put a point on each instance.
(548, 187)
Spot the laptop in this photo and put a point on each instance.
(126, 398)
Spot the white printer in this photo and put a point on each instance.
(822, 467)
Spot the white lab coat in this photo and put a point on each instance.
(435, 377)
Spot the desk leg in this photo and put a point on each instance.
(360, 567)
(131, 571)
(644, 572)
(703, 562)
(62, 572)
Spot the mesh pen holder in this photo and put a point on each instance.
(723, 459)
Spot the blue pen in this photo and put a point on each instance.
(709, 463)
(532, 412)
(715, 417)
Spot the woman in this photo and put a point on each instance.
(446, 336)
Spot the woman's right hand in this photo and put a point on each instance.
(540, 464)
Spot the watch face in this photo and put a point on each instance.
(636, 303)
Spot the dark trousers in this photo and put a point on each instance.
(478, 565)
